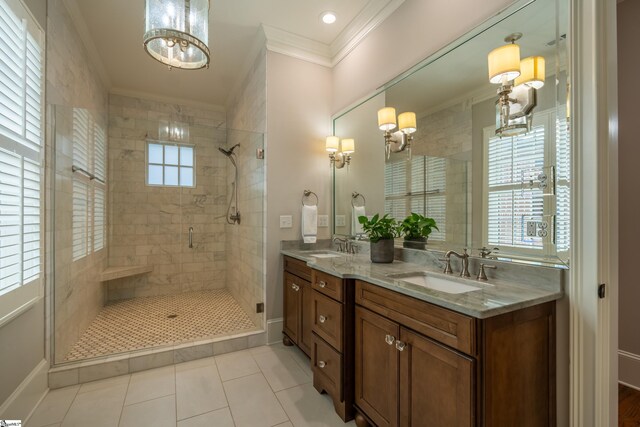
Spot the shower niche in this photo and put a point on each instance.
(150, 249)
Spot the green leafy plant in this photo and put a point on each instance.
(379, 228)
(415, 226)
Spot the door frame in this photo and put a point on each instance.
(594, 257)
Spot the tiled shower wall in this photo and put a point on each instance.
(149, 225)
(245, 241)
(72, 81)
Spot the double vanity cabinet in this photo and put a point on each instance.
(389, 359)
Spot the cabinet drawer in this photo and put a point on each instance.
(327, 284)
(327, 363)
(448, 327)
(327, 319)
(297, 267)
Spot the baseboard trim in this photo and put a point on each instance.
(274, 330)
(629, 369)
(25, 399)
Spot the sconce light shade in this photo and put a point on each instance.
(348, 146)
(504, 61)
(407, 122)
(387, 118)
(531, 72)
(332, 144)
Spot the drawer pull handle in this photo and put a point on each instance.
(322, 318)
(322, 284)
(400, 345)
(322, 364)
(390, 339)
(295, 287)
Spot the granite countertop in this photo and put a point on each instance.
(493, 298)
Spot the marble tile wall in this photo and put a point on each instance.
(246, 116)
(149, 225)
(71, 81)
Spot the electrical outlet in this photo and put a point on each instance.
(532, 228)
(323, 220)
(286, 221)
(341, 221)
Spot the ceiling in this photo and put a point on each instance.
(115, 28)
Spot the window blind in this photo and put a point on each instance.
(511, 162)
(563, 186)
(80, 219)
(98, 219)
(21, 73)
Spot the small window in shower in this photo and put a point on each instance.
(170, 165)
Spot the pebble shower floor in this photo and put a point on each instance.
(146, 322)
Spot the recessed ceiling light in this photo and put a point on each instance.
(328, 17)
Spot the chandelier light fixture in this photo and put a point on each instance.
(177, 32)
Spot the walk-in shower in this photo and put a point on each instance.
(233, 211)
(145, 260)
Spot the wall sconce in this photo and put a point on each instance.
(519, 81)
(340, 158)
(401, 140)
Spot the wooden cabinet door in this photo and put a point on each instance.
(436, 384)
(305, 340)
(292, 296)
(377, 367)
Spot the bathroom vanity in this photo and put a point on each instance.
(390, 352)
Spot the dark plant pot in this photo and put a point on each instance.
(382, 251)
(415, 243)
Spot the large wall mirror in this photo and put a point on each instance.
(490, 177)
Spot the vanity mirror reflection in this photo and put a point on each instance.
(491, 177)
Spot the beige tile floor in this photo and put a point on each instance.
(147, 322)
(264, 386)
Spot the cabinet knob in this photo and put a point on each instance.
(322, 284)
(295, 287)
(390, 339)
(322, 318)
(400, 345)
(322, 364)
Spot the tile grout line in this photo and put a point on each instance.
(71, 404)
(175, 390)
(123, 400)
(224, 391)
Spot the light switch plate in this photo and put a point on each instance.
(340, 221)
(323, 220)
(286, 221)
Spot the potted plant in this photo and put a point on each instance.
(416, 229)
(381, 232)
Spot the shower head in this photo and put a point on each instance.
(228, 152)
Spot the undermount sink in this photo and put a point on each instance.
(428, 281)
(323, 254)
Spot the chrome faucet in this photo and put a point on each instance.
(340, 242)
(345, 245)
(465, 262)
(485, 252)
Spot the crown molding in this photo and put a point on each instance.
(87, 41)
(296, 46)
(366, 21)
(369, 18)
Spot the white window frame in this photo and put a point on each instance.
(163, 164)
(17, 300)
(548, 119)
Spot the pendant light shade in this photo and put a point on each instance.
(177, 32)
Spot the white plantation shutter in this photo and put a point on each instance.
(563, 186)
(511, 162)
(417, 186)
(21, 134)
(89, 209)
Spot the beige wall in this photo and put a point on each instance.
(298, 119)
(629, 129)
(149, 225)
(246, 122)
(415, 30)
